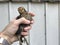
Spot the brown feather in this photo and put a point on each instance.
(23, 13)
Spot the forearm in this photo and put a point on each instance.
(0, 44)
(4, 41)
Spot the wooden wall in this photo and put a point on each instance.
(45, 30)
(32, 0)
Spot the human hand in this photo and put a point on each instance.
(9, 32)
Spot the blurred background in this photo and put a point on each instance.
(45, 30)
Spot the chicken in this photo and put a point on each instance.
(26, 15)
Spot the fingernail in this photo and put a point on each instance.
(27, 28)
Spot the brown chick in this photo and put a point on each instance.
(26, 15)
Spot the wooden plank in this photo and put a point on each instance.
(59, 20)
(36, 0)
(37, 33)
(45, 0)
(3, 15)
(50, 0)
(4, 0)
(19, 0)
(52, 24)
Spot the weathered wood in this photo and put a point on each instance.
(37, 34)
(50, 0)
(37, 0)
(4, 0)
(32, 0)
(52, 24)
(19, 0)
(4, 17)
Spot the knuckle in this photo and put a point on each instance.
(15, 22)
(24, 33)
(22, 18)
(11, 21)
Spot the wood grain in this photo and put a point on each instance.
(37, 0)
(4, 0)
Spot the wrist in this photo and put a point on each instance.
(3, 41)
(6, 37)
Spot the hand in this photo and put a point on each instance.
(9, 32)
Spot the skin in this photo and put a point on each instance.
(9, 31)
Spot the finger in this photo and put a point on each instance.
(27, 28)
(24, 33)
(22, 20)
(31, 14)
(32, 22)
